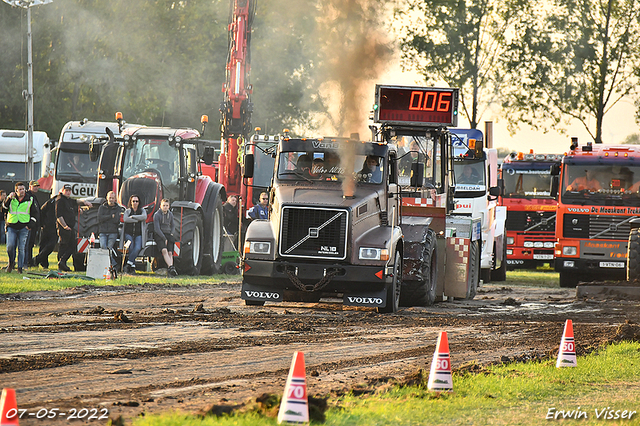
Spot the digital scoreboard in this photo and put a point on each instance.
(422, 106)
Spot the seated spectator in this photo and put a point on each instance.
(135, 221)
(108, 222)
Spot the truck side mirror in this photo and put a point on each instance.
(495, 191)
(554, 169)
(208, 155)
(248, 166)
(417, 174)
(555, 184)
(94, 150)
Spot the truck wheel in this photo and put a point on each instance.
(212, 260)
(500, 274)
(569, 279)
(190, 260)
(393, 290)
(474, 270)
(423, 293)
(633, 255)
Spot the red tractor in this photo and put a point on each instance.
(159, 162)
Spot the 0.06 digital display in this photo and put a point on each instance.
(416, 106)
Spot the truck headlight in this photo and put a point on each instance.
(510, 240)
(367, 253)
(549, 244)
(257, 247)
(569, 251)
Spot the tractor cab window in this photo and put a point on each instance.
(191, 158)
(412, 150)
(153, 155)
(329, 166)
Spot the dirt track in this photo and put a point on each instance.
(129, 350)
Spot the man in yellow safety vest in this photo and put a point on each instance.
(21, 217)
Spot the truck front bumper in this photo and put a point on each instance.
(265, 280)
(594, 269)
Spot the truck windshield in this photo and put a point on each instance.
(526, 182)
(263, 169)
(601, 184)
(17, 171)
(329, 166)
(152, 155)
(469, 175)
(74, 164)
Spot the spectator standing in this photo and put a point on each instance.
(35, 231)
(163, 234)
(66, 210)
(108, 222)
(230, 211)
(21, 218)
(3, 236)
(48, 237)
(260, 210)
(135, 227)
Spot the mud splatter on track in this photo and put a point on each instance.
(154, 348)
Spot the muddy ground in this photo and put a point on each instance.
(129, 351)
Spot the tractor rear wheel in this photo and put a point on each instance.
(633, 255)
(189, 261)
(474, 270)
(212, 262)
(423, 293)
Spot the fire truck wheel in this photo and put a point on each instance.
(633, 255)
(474, 270)
(569, 279)
(212, 256)
(500, 274)
(190, 260)
(423, 293)
(393, 289)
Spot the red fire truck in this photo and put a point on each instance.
(598, 197)
(531, 210)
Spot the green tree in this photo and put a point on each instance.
(574, 59)
(463, 43)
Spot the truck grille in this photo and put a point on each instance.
(526, 221)
(314, 232)
(601, 227)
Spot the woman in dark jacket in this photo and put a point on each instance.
(135, 224)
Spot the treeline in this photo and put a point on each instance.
(160, 62)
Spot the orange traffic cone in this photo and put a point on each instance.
(440, 374)
(567, 352)
(294, 407)
(9, 408)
